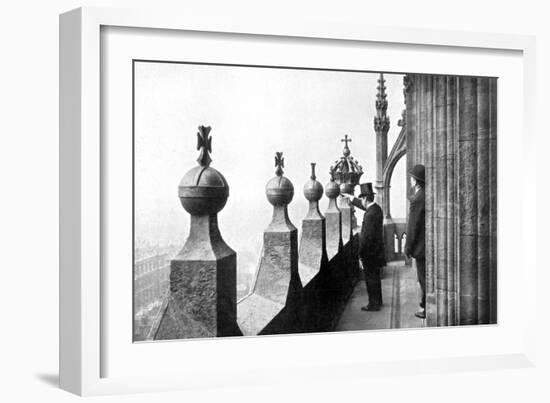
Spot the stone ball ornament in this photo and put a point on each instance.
(332, 189)
(279, 190)
(203, 190)
(313, 190)
(347, 188)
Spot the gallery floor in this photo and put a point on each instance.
(400, 293)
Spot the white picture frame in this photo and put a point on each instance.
(82, 343)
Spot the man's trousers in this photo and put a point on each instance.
(421, 273)
(374, 285)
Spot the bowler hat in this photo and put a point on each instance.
(366, 189)
(418, 173)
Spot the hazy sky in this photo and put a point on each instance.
(253, 112)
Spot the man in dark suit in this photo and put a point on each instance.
(416, 232)
(371, 245)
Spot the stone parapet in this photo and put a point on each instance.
(202, 301)
(272, 307)
(313, 241)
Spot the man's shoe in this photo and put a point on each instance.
(421, 314)
(370, 308)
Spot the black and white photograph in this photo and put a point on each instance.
(271, 200)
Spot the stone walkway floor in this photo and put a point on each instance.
(400, 296)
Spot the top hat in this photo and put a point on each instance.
(366, 189)
(418, 173)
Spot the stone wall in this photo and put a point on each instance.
(452, 130)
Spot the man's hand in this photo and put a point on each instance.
(348, 195)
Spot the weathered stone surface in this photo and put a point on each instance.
(203, 281)
(312, 251)
(277, 286)
(279, 259)
(272, 307)
(347, 218)
(203, 277)
(381, 127)
(333, 220)
(451, 129)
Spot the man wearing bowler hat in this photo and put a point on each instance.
(416, 230)
(371, 244)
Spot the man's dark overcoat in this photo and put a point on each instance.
(371, 241)
(416, 228)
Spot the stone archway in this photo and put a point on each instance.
(387, 176)
(393, 227)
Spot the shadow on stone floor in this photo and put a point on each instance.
(400, 296)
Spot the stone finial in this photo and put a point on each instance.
(381, 120)
(313, 177)
(313, 190)
(272, 306)
(332, 190)
(202, 301)
(204, 144)
(279, 190)
(279, 163)
(203, 190)
(346, 170)
(346, 140)
(312, 251)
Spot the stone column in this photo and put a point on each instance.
(483, 200)
(333, 218)
(203, 278)
(468, 200)
(313, 242)
(455, 138)
(411, 122)
(452, 205)
(493, 200)
(381, 127)
(439, 179)
(271, 307)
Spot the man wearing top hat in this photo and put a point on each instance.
(416, 230)
(371, 244)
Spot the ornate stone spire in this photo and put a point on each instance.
(381, 127)
(381, 120)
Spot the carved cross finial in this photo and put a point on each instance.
(346, 140)
(279, 163)
(313, 177)
(204, 143)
